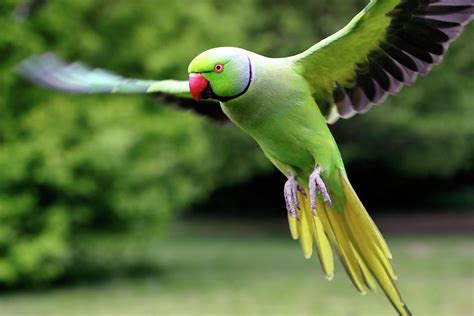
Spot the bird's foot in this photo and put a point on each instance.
(316, 184)
(291, 195)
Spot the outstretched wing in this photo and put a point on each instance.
(383, 48)
(49, 71)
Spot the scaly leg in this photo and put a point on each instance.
(291, 195)
(316, 184)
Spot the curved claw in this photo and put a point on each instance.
(291, 196)
(316, 184)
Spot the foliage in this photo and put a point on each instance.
(72, 167)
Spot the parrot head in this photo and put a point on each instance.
(223, 74)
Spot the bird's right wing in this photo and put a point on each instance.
(49, 71)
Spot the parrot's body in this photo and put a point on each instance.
(286, 103)
(279, 112)
(291, 131)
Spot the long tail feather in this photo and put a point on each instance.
(304, 232)
(346, 253)
(324, 248)
(358, 242)
(293, 227)
(321, 240)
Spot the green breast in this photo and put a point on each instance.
(279, 112)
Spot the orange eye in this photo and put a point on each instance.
(218, 68)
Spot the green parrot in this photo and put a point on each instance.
(285, 104)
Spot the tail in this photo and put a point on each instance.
(359, 244)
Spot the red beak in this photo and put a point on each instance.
(197, 85)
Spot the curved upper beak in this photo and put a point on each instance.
(197, 85)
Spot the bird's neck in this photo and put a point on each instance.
(274, 89)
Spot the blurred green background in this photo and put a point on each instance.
(115, 205)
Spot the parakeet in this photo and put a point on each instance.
(285, 104)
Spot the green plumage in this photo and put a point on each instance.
(279, 112)
(286, 103)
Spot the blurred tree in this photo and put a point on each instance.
(72, 167)
(75, 166)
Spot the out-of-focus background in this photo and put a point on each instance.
(115, 205)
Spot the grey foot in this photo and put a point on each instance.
(316, 184)
(291, 195)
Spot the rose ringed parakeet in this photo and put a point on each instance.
(285, 105)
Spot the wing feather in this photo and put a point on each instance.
(385, 47)
(49, 71)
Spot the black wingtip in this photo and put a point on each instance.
(418, 37)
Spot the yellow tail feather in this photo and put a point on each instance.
(322, 243)
(368, 277)
(324, 248)
(304, 232)
(293, 227)
(358, 242)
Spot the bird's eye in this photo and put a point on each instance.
(218, 68)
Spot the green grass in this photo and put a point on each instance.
(231, 268)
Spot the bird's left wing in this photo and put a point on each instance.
(49, 71)
(383, 48)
